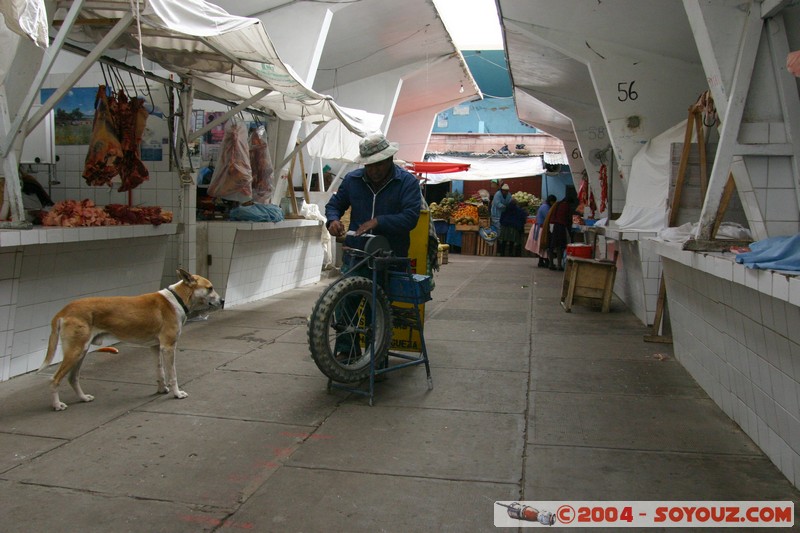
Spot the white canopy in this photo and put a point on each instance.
(493, 167)
(226, 56)
(334, 142)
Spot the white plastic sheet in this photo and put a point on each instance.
(646, 207)
(488, 168)
(27, 18)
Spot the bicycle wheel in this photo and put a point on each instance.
(340, 329)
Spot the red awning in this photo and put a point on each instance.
(424, 167)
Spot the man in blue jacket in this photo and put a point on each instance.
(383, 198)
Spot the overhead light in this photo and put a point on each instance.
(461, 90)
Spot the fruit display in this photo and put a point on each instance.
(465, 214)
(444, 210)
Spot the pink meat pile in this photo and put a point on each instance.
(73, 213)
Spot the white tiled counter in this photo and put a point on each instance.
(42, 269)
(737, 331)
(248, 261)
(638, 272)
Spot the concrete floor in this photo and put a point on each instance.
(529, 403)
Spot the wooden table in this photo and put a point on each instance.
(589, 282)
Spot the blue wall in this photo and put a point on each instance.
(496, 113)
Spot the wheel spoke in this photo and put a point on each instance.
(341, 329)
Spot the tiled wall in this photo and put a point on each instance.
(10, 266)
(38, 280)
(737, 331)
(253, 261)
(638, 276)
(160, 189)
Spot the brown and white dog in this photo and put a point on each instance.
(153, 319)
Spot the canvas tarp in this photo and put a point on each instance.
(646, 208)
(335, 142)
(487, 168)
(226, 56)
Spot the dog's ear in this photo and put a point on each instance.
(186, 277)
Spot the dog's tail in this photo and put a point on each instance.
(55, 332)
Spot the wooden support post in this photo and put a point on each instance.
(306, 197)
(290, 191)
(727, 194)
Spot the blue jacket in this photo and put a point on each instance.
(514, 216)
(499, 204)
(396, 206)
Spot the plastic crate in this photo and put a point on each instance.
(401, 287)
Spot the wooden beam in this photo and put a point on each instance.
(684, 162)
(699, 245)
(727, 194)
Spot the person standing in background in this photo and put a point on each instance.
(512, 224)
(560, 222)
(499, 203)
(536, 243)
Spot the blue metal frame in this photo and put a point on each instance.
(381, 265)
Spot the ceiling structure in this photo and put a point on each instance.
(373, 37)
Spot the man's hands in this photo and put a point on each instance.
(337, 229)
(367, 226)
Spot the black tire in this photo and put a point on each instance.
(342, 314)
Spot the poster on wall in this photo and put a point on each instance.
(74, 116)
(156, 133)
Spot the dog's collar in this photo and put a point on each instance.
(180, 300)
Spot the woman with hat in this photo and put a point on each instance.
(383, 198)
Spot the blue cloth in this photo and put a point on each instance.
(514, 216)
(204, 175)
(775, 253)
(499, 204)
(257, 213)
(453, 237)
(541, 214)
(396, 206)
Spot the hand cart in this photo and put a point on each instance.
(350, 328)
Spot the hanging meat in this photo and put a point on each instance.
(233, 175)
(603, 187)
(105, 149)
(261, 164)
(132, 120)
(586, 196)
(119, 124)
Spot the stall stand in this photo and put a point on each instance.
(42, 269)
(254, 260)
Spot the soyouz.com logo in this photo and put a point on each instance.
(620, 514)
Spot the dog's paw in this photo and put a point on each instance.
(60, 406)
(87, 398)
(163, 390)
(181, 394)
